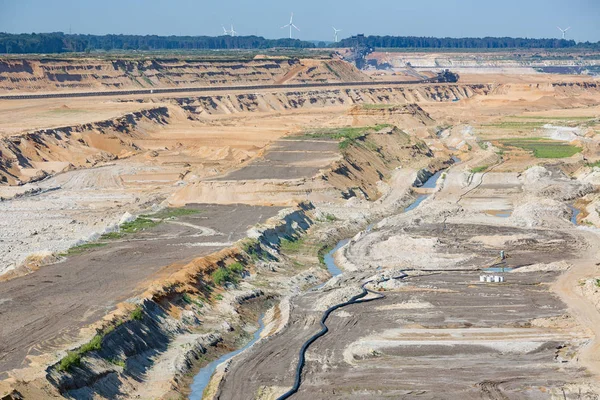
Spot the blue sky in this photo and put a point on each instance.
(454, 18)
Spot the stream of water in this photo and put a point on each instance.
(203, 377)
(574, 215)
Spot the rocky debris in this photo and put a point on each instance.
(192, 352)
(558, 266)
(541, 213)
(336, 296)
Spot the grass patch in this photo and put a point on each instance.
(291, 245)
(187, 298)
(112, 235)
(172, 213)
(118, 362)
(147, 221)
(230, 273)
(219, 297)
(322, 252)
(548, 118)
(593, 164)
(378, 106)
(330, 217)
(81, 248)
(139, 224)
(236, 268)
(147, 80)
(482, 168)
(72, 359)
(543, 148)
(137, 314)
(516, 125)
(597, 282)
(347, 136)
(252, 248)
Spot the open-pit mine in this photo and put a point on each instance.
(309, 230)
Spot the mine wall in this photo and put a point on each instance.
(202, 106)
(85, 74)
(75, 146)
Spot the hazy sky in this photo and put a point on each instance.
(454, 18)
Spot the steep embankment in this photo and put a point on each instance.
(47, 75)
(226, 104)
(372, 158)
(34, 155)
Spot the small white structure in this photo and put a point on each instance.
(491, 278)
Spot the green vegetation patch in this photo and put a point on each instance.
(173, 213)
(137, 314)
(593, 164)
(348, 136)
(230, 273)
(81, 248)
(291, 245)
(147, 221)
(378, 106)
(482, 168)
(543, 148)
(73, 358)
(516, 124)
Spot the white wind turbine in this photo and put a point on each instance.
(231, 32)
(335, 34)
(564, 31)
(290, 25)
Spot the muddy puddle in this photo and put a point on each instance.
(499, 213)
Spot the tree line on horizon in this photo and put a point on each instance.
(64, 43)
(461, 43)
(59, 42)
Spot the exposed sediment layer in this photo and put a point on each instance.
(27, 75)
(32, 156)
(280, 101)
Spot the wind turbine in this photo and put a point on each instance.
(232, 32)
(564, 31)
(290, 25)
(335, 32)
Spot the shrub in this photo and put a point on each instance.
(72, 359)
(137, 314)
(236, 267)
(221, 276)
